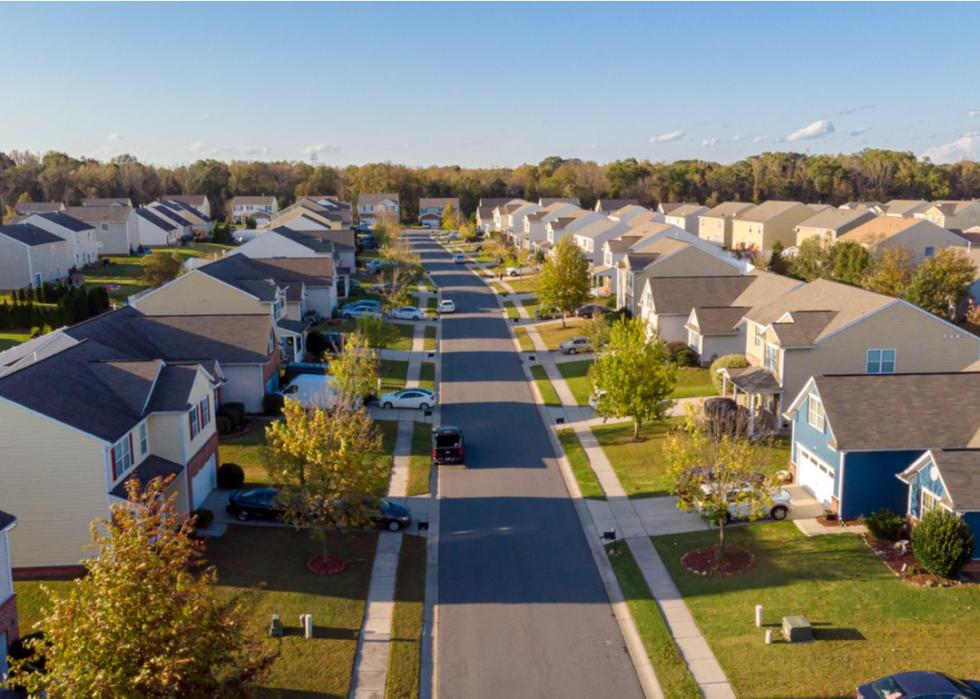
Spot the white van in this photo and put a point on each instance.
(311, 391)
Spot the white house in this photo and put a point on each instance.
(568, 224)
(243, 208)
(372, 205)
(30, 256)
(153, 230)
(115, 227)
(181, 219)
(686, 216)
(79, 234)
(198, 201)
(535, 229)
(9, 628)
(591, 237)
(432, 208)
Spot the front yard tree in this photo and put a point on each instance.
(160, 267)
(376, 332)
(890, 271)
(597, 329)
(715, 467)
(449, 218)
(564, 281)
(145, 620)
(386, 228)
(942, 282)
(323, 464)
(635, 373)
(355, 370)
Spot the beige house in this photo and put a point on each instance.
(715, 224)
(244, 208)
(432, 208)
(371, 205)
(536, 223)
(686, 216)
(306, 215)
(825, 327)
(953, 215)
(634, 215)
(905, 207)
(760, 227)
(608, 206)
(196, 201)
(920, 236)
(830, 224)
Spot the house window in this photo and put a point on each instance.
(928, 502)
(195, 422)
(205, 409)
(930, 251)
(880, 361)
(772, 357)
(756, 335)
(105, 226)
(692, 340)
(814, 413)
(144, 443)
(122, 457)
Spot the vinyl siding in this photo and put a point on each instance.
(763, 235)
(716, 230)
(918, 238)
(923, 479)
(244, 385)
(54, 480)
(870, 484)
(272, 245)
(196, 293)
(816, 442)
(973, 520)
(720, 345)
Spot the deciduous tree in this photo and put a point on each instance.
(564, 281)
(355, 370)
(890, 271)
(942, 283)
(160, 267)
(450, 217)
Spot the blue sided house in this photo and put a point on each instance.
(861, 442)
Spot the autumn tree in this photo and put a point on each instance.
(633, 375)
(942, 283)
(145, 620)
(890, 271)
(377, 333)
(564, 281)
(811, 261)
(386, 228)
(355, 370)
(160, 267)
(715, 468)
(850, 262)
(450, 218)
(323, 464)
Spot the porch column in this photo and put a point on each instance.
(724, 384)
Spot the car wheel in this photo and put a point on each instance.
(394, 526)
(423, 406)
(573, 351)
(387, 405)
(242, 515)
(779, 512)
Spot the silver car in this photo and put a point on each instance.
(575, 345)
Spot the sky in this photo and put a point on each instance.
(483, 85)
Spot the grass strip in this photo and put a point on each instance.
(588, 482)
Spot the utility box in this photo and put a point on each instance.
(797, 629)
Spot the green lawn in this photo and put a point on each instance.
(393, 374)
(496, 286)
(266, 567)
(402, 340)
(588, 483)
(12, 338)
(668, 664)
(420, 459)
(429, 342)
(693, 381)
(524, 285)
(511, 310)
(576, 375)
(531, 305)
(867, 622)
(548, 393)
(554, 334)
(427, 375)
(405, 651)
(523, 339)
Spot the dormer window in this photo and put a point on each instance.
(122, 456)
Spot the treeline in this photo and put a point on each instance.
(872, 174)
(52, 306)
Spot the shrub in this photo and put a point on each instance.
(234, 412)
(223, 424)
(272, 404)
(942, 543)
(316, 343)
(726, 361)
(230, 476)
(686, 357)
(885, 524)
(203, 518)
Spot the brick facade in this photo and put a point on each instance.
(8, 619)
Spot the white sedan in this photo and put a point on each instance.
(447, 306)
(414, 398)
(408, 313)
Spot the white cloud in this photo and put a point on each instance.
(759, 139)
(816, 129)
(966, 146)
(736, 138)
(854, 133)
(667, 137)
(709, 142)
(111, 147)
(319, 148)
(196, 147)
(973, 113)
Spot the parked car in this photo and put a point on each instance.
(262, 503)
(414, 398)
(779, 509)
(919, 685)
(453, 235)
(361, 303)
(447, 306)
(590, 310)
(575, 345)
(312, 316)
(447, 445)
(459, 258)
(360, 312)
(369, 244)
(311, 391)
(408, 313)
(545, 313)
(372, 266)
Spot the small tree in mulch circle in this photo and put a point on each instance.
(716, 468)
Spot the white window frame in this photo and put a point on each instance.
(756, 335)
(195, 422)
(880, 362)
(124, 453)
(936, 502)
(693, 340)
(775, 357)
(815, 416)
(144, 439)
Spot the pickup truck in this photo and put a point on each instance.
(447, 445)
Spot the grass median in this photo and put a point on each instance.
(405, 652)
(588, 483)
(548, 393)
(420, 459)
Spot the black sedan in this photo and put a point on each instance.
(921, 685)
(261, 503)
(590, 310)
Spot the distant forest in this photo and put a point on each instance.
(872, 174)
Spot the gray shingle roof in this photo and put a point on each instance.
(66, 221)
(155, 220)
(6, 520)
(960, 471)
(29, 234)
(100, 214)
(173, 388)
(151, 467)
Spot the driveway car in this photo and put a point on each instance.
(372, 266)
(447, 306)
(360, 312)
(414, 398)
(590, 310)
(373, 304)
(408, 313)
(312, 316)
(262, 503)
(919, 685)
(517, 271)
(779, 509)
(459, 258)
(575, 345)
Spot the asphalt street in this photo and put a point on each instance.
(522, 611)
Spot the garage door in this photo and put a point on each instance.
(204, 482)
(814, 475)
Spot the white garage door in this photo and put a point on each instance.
(204, 482)
(814, 475)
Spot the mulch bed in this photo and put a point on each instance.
(835, 522)
(333, 565)
(704, 561)
(897, 557)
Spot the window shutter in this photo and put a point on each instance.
(190, 423)
(112, 455)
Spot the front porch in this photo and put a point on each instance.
(757, 391)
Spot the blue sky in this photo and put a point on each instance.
(488, 84)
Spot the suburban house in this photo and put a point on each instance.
(26, 208)
(330, 204)
(668, 305)
(608, 206)
(196, 201)
(79, 234)
(876, 207)
(9, 628)
(905, 207)
(613, 251)
(715, 224)
(108, 201)
(535, 229)
(199, 222)
(568, 224)
(920, 236)
(244, 208)
(153, 230)
(370, 206)
(431, 208)
(592, 236)
(825, 327)
(115, 227)
(548, 201)
(181, 219)
(665, 207)
(761, 226)
(284, 242)
(830, 224)
(634, 213)
(100, 419)
(484, 218)
(954, 215)
(863, 442)
(307, 214)
(502, 212)
(513, 222)
(686, 216)
(30, 256)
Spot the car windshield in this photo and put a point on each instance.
(447, 439)
(887, 688)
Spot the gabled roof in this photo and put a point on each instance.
(237, 271)
(37, 207)
(494, 202)
(601, 226)
(365, 198)
(767, 211)
(29, 234)
(259, 200)
(718, 320)
(610, 205)
(622, 243)
(950, 207)
(100, 214)
(155, 220)
(905, 207)
(439, 202)
(688, 210)
(166, 212)
(548, 201)
(107, 201)
(727, 209)
(66, 221)
(640, 260)
(173, 388)
(182, 208)
(667, 207)
(678, 295)
(484, 212)
(195, 200)
(837, 219)
(959, 470)
(880, 228)
(151, 467)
